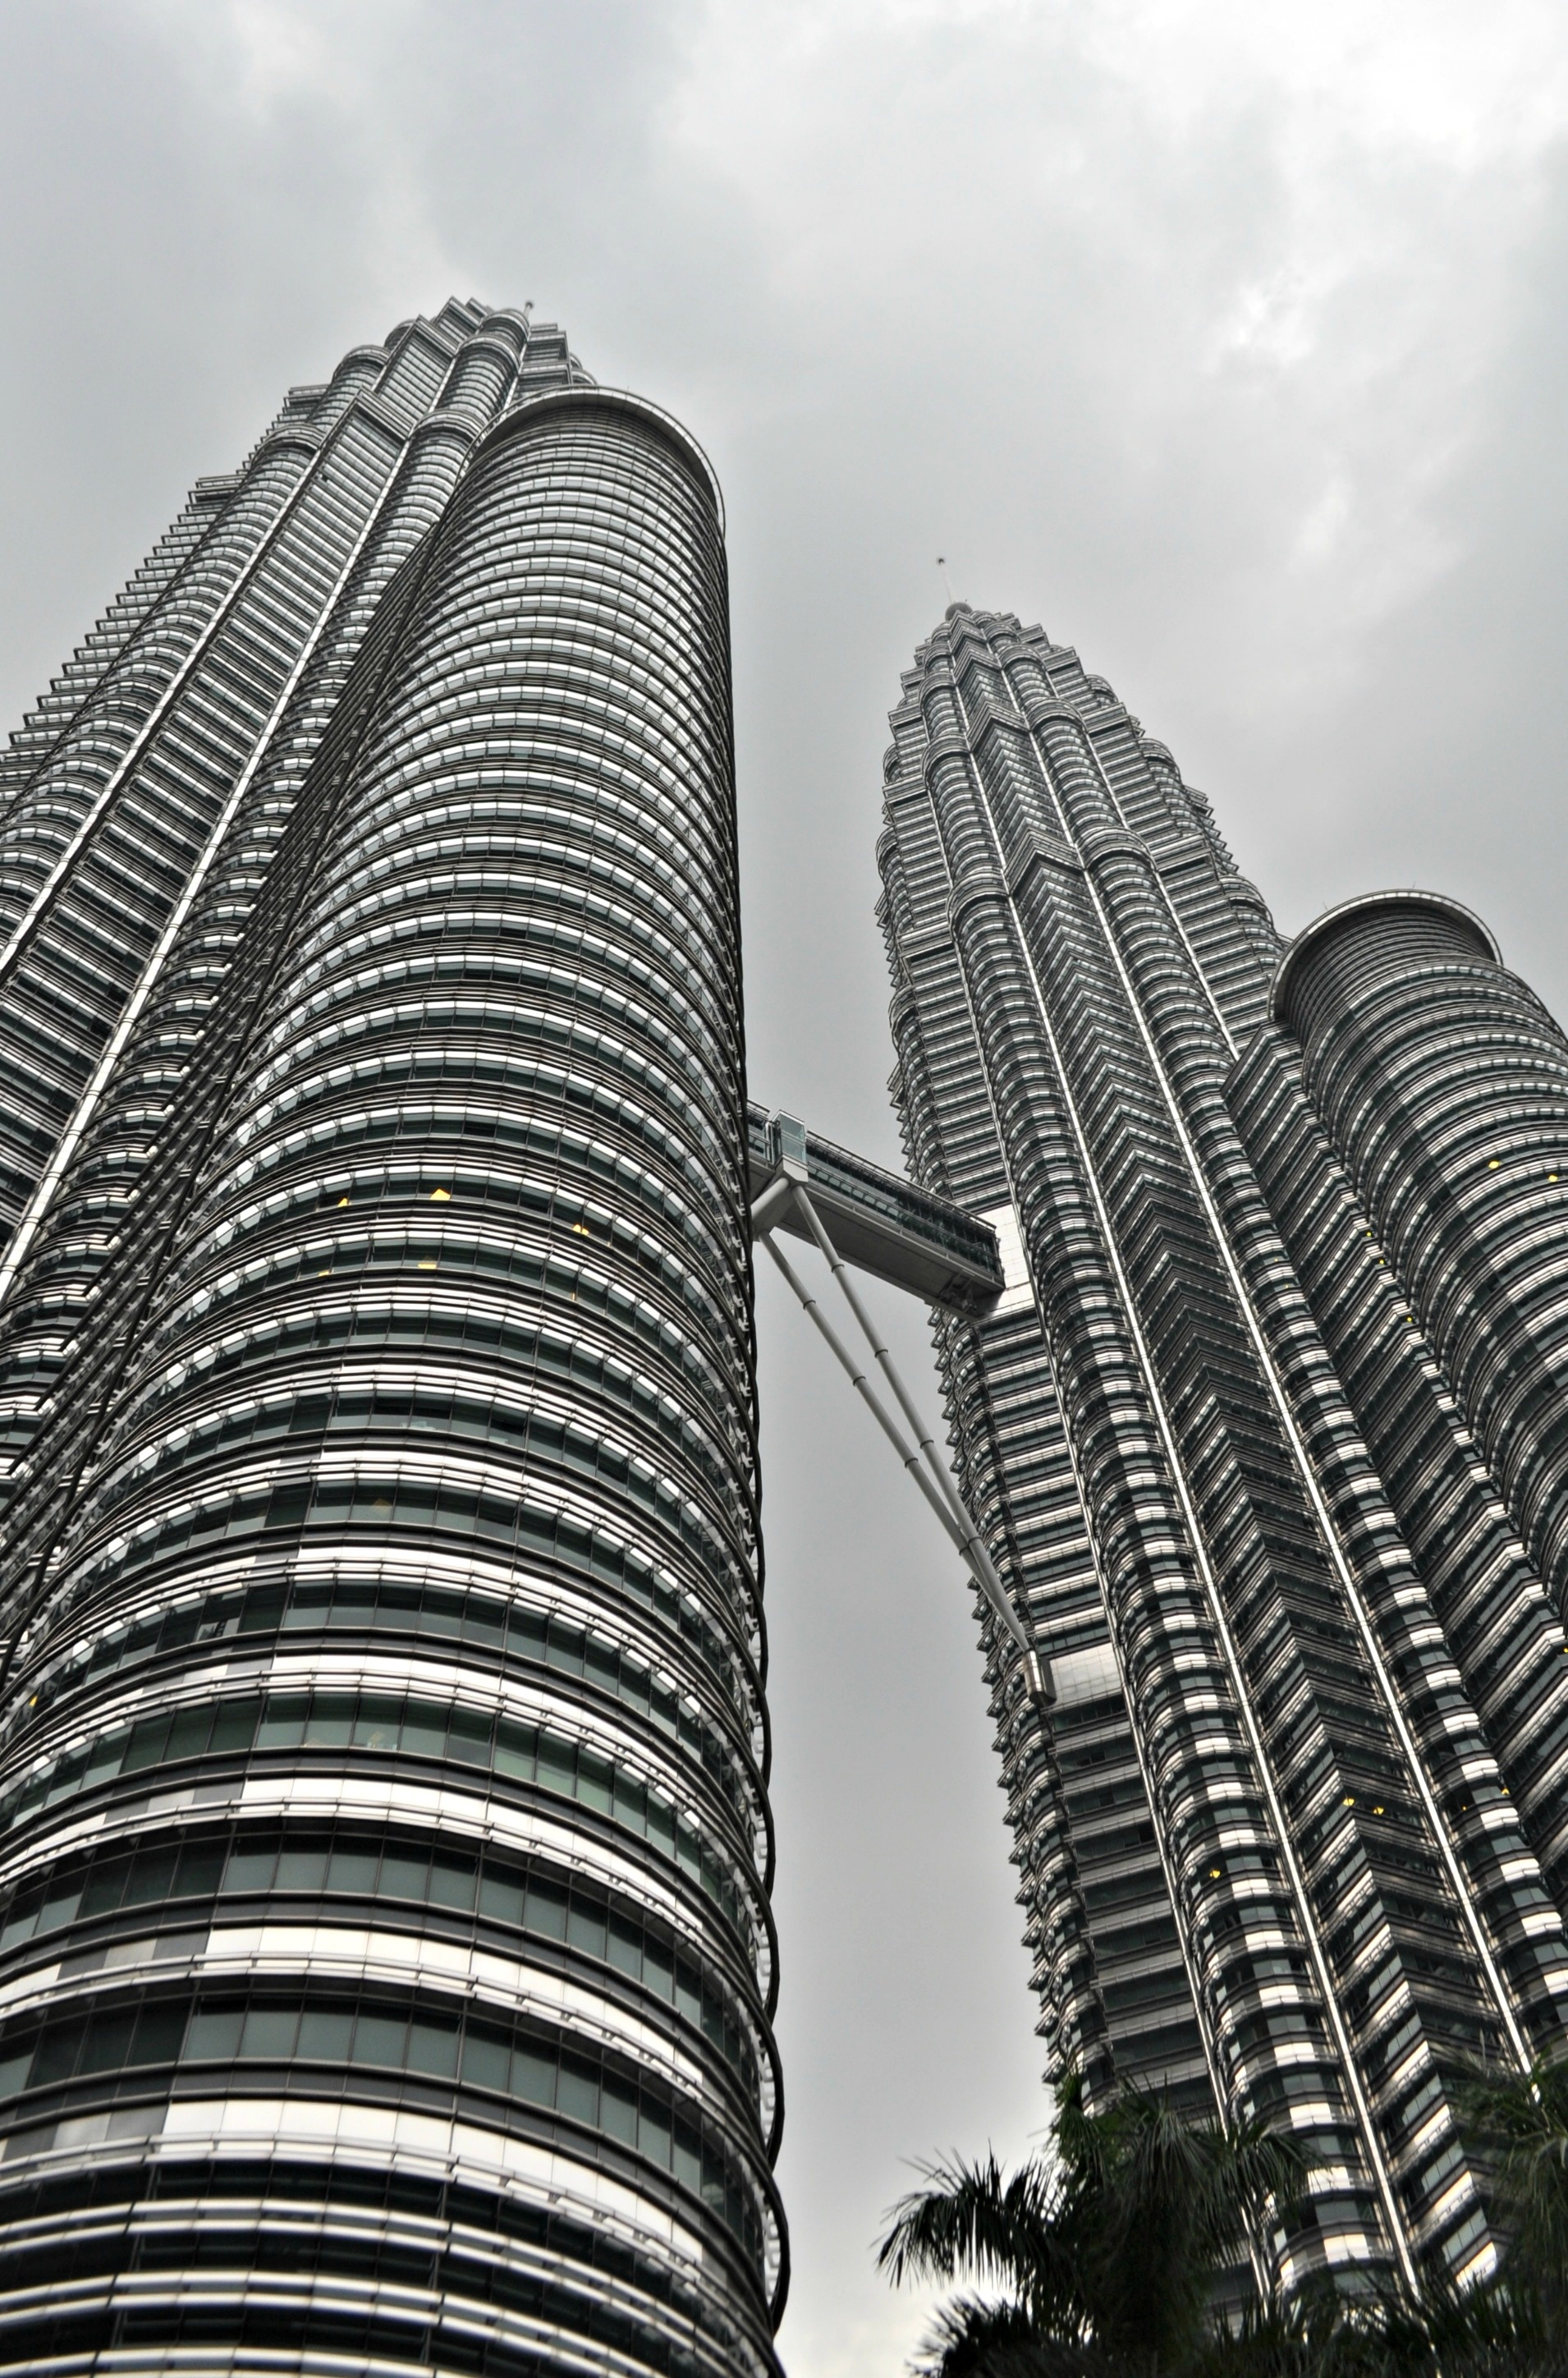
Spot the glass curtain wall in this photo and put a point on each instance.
(385, 1849)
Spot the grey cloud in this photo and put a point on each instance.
(1229, 342)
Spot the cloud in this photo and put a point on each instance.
(1226, 336)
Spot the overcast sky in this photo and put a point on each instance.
(1226, 337)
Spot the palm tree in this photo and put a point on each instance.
(1519, 2121)
(1109, 2254)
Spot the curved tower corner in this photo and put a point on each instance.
(1442, 1082)
(385, 1947)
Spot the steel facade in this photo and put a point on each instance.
(1292, 1839)
(386, 1961)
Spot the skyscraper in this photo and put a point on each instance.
(385, 1963)
(1267, 1432)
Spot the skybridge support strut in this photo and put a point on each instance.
(785, 1197)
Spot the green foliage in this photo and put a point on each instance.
(1520, 2122)
(1108, 2252)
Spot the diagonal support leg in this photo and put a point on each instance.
(924, 1465)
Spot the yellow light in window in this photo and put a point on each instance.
(1492, 1164)
(428, 1263)
(440, 1196)
(583, 1230)
(1377, 1808)
(325, 1275)
(1551, 1176)
(1214, 1874)
(1350, 1799)
(342, 1201)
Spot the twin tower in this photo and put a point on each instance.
(386, 1959)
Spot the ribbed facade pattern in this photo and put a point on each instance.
(386, 1964)
(151, 785)
(1444, 1083)
(1282, 1841)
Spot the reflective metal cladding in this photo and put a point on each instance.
(1271, 1453)
(386, 1961)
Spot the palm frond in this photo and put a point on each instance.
(1109, 2251)
(969, 2218)
(1520, 2121)
(973, 2338)
(1178, 2199)
(1276, 2340)
(1021, 2230)
(1254, 2176)
(964, 2335)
